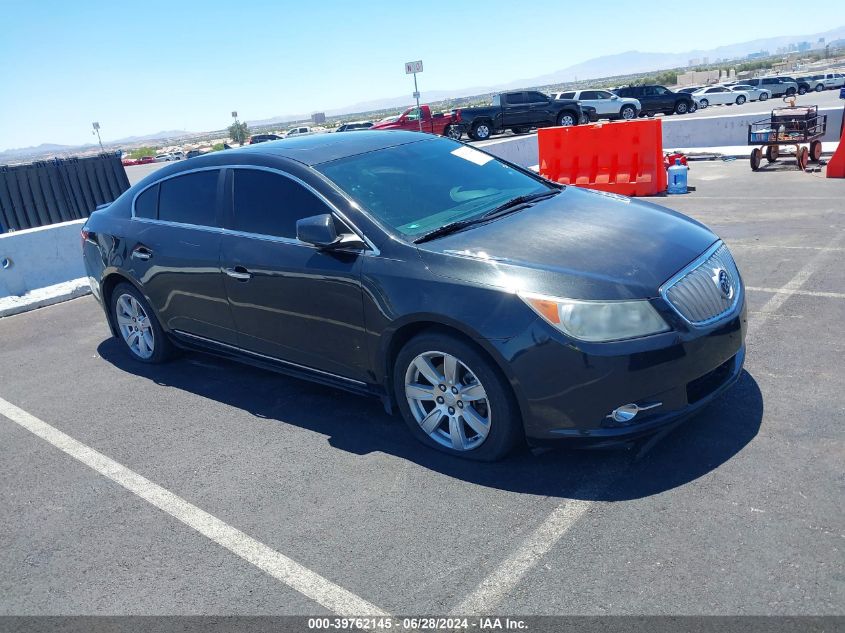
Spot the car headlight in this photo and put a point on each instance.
(598, 321)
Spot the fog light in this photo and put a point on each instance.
(628, 412)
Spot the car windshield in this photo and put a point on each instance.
(421, 186)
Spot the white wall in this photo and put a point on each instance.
(40, 257)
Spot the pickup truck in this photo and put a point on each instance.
(519, 112)
(437, 123)
(654, 99)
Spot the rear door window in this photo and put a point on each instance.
(267, 203)
(146, 205)
(567, 95)
(190, 199)
(514, 98)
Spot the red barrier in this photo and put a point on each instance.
(624, 157)
(836, 165)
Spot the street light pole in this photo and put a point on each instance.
(96, 127)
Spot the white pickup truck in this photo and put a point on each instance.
(831, 80)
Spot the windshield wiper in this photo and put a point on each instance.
(515, 203)
(508, 207)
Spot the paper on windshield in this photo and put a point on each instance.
(472, 155)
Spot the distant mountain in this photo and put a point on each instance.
(151, 137)
(36, 149)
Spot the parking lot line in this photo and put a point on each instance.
(783, 293)
(804, 293)
(297, 577)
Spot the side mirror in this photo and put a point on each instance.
(614, 97)
(318, 230)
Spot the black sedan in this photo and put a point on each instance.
(488, 305)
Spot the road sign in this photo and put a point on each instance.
(96, 125)
(416, 95)
(412, 68)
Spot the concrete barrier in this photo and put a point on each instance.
(678, 132)
(34, 259)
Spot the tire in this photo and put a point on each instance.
(566, 118)
(756, 156)
(772, 153)
(693, 107)
(481, 131)
(819, 88)
(520, 130)
(628, 112)
(703, 103)
(790, 92)
(681, 107)
(496, 425)
(815, 151)
(802, 90)
(130, 314)
(763, 96)
(803, 157)
(453, 132)
(740, 100)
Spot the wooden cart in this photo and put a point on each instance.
(792, 126)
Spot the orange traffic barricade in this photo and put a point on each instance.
(624, 157)
(836, 165)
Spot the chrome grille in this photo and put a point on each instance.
(708, 290)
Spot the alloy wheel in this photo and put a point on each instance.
(135, 326)
(448, 401)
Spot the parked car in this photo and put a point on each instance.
(477, 298)
(754, 94)
(518, 111)
(654, 99)
(719, 95)
(607, 104)
(263, 138)
(433, 123)
(831, 80)
(165, 158)
(146, 160)
(298, 131)
(812, 84)
(777, 86)
(354, 125)
(193, 153)
(178, 155)
(803, 86)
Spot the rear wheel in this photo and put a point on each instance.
(815, 151)
(740, 100)
(454, 400)
(454, 132)
(755, 158)
(142, 336)
(790, 92)
(703, 103)
(819, 88)
(566, 118)
(764, 96)
(802, 90)
(772, 153)
(481, 131)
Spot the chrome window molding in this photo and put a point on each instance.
(701, 259)
(271, 358)
(371, 247)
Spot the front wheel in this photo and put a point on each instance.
(454, 400)
(481, 131)
(755, 158)
(764, 96)
(693, 107)
(819, 88)
(628, 112)
(453, 132)
(815, 151)
(740, 100)
(681, 107)
(802, 90)
(565, 119)
(703, 103)
(790, 92)
(142, 336)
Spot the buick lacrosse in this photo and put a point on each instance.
(488, 305)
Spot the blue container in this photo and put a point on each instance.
(677, 178)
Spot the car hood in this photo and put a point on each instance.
(579, 244)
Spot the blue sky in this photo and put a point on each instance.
(142, 66)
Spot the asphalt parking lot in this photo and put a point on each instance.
(739, 511)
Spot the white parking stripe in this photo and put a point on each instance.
(308, 583)
(506, 576)
(805, 293)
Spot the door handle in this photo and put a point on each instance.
(141, 252)
(238, 272)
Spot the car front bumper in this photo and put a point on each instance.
(568, 392)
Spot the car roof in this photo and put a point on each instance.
(322, 148)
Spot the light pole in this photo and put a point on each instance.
(96, 131)
(412, 68)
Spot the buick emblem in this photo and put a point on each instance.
(723, 280)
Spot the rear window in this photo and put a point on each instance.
(189, 199)
(146, 205)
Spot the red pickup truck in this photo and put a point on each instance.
(439, 123)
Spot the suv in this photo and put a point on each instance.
(811, 83)
(607, 104)
(263, 138)
(831, 80)
(778, 86)
(656, 99)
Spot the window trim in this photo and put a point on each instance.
(333, 209)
